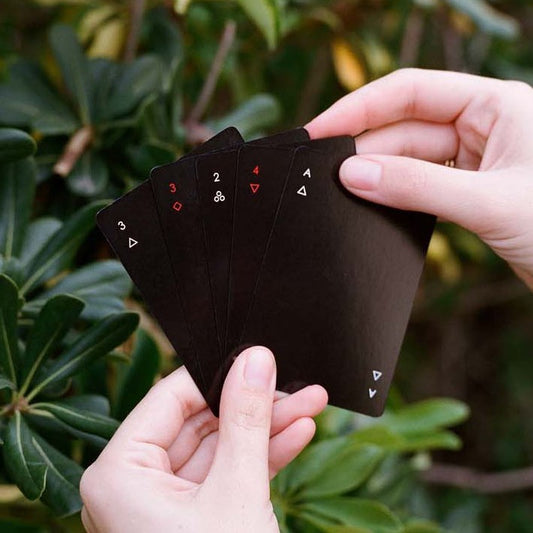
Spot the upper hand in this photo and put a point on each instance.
(417, 119)
(172, 465)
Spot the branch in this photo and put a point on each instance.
(208, 89)
(74, 149)
(485, 483)
(412, 37)
(132, 39)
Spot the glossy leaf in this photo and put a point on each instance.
(37, 234)
(17, 185)
(102, 286)
(89, 402)
(6, 383)
(426, 416)
(265, 14)
(22, 460)
(9, 350)
(28, 99)
(356, 512)
(58, 251)
(422, 526)
(90, 175)
(251, 117)
(73, 64)
(343, 472)
(103, 74)
(63, 479)
(136, 378)
(80, 419)
(136, 81)
(53, 322)
(92, 344)
(15, 144)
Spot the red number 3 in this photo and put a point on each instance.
(172, 187)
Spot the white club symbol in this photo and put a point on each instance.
(219, 197)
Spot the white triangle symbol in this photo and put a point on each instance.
(132, 242)
(377, 374)
(308, 173)
(302, 191)
(372, 392)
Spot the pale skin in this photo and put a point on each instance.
(173, 466)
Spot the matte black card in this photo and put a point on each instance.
(131, 226)
(337, 284)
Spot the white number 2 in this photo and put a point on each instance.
(216, 175)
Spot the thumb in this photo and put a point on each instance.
(415, 185)
(245, 417)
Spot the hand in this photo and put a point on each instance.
(173, 466)
(418, 118)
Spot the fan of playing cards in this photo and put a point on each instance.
(245, 243)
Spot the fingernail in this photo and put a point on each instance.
(259, 368)
(359, 173)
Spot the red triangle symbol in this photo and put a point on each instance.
(254, 187)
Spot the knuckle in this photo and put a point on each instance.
(252, 413)
(87, 484)
(519, 87)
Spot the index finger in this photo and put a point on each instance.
(430, 95)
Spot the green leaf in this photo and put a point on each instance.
(22, 460)
(103, 74)
(80, 419)
(89, 176)
(265, 14)
(426, 416)
(53, 322)
(259, 112)
(89, 402)
(28, 100)
(92, 344)
(357, 512)
(6, 383)
(343, 472)
(37, 235)
(58, 251)
(102, 286)
(17, 187)
(321, 524)
(74, 68)
(422, 526)
(63, 479)
(15, 144)
(9, 351)
(487, 18)
(136, 81)
(136, 379)
(443, 440)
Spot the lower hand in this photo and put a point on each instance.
(173, 466)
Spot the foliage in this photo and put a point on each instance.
(102, 93)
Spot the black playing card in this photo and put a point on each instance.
(337, 283)
(216, 179)
(261, 174)
(131, 226)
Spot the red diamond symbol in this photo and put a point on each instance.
(177, 206)
(254, 187)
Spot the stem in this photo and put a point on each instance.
(75, 148)
(208, 88)
(482, 482)
(132, 39)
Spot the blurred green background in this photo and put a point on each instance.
(109, 89)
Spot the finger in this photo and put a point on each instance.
(307, 402)
(430, 95)
(412, 138)
(411, 184)
(199, 464)
(158, 418)
(87, 521)
(285, 446)
(244, 425)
